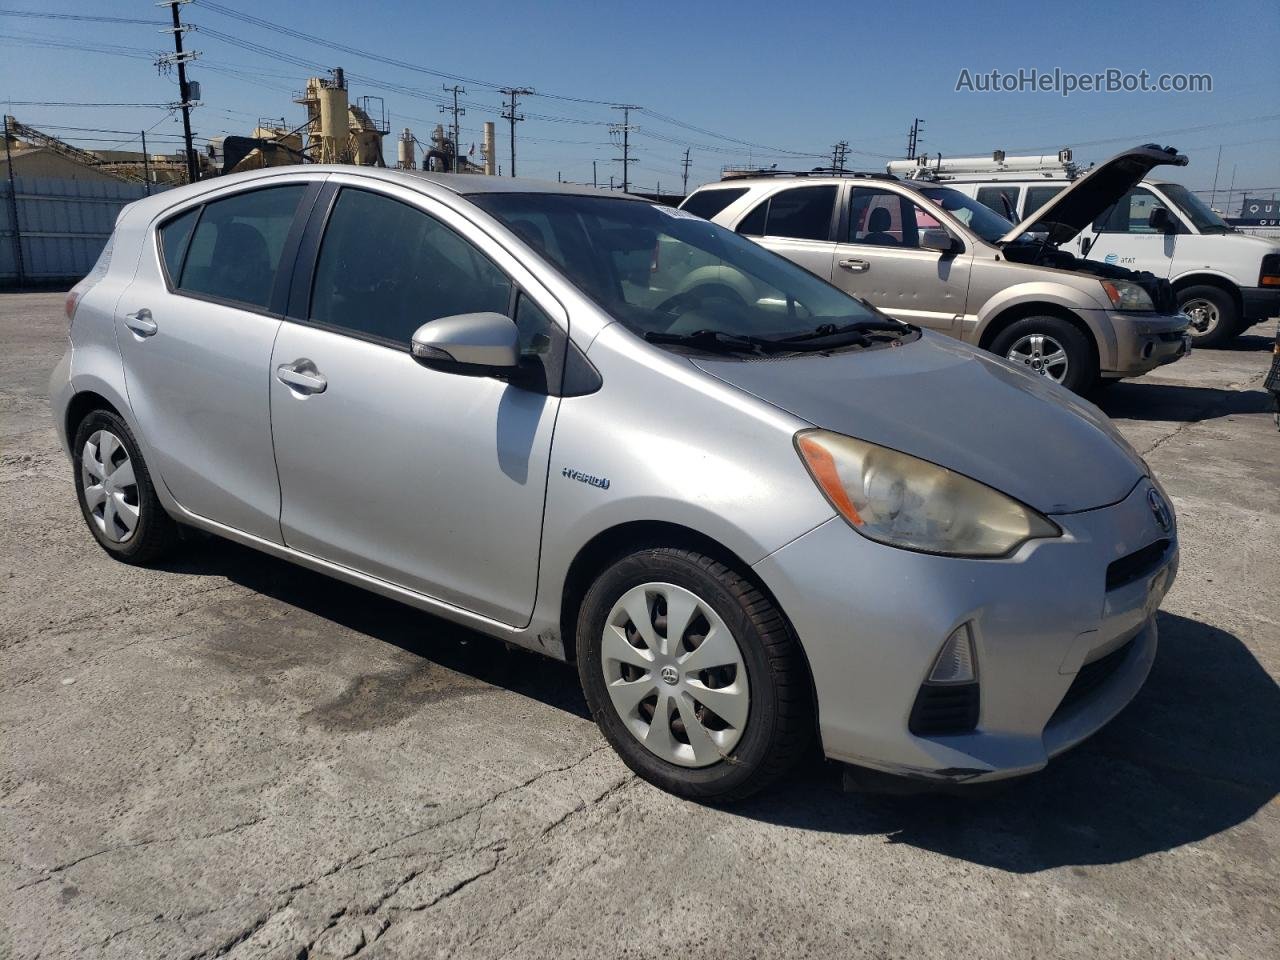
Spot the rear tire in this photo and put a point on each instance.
(116, 494)
(1052, 347)
(1214, 317)
(640, 691)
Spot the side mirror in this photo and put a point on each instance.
(1161, 221)
(940, 240)
(488, 341)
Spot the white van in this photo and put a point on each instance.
(1225, 280)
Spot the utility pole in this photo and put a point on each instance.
(511, 115)
(625, 129)
(913, 138)
(457, 112)
(839, 152)
(685, 181)
(146, 164)
(18, 262)
(1214, 194)
(594, 181)
(180, 57)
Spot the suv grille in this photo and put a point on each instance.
(943, 708)
(1136, 565)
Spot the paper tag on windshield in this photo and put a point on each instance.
(675, 212)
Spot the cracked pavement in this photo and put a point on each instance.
(229, 756)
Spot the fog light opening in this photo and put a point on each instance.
(957, 661)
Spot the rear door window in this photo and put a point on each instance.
(1003, 200)
(1037, 197)
(235, 251)
(707, 203)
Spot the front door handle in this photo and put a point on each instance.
(302, 376)
(857, 266)
(140, 322)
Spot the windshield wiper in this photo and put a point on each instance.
(720, 340)
(858, 327)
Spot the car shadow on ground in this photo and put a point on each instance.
(1196, 753)
(1177, 403)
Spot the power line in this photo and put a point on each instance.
(75, 103)
(80, 17)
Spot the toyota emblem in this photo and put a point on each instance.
(1160, 510)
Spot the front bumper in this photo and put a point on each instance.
(1260, 303)
(872, 619)
(1144, 342)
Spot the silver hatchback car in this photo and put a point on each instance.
(551, 415)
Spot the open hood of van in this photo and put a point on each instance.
(1085, 200)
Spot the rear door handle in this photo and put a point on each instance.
(857, 266)
(302, 376)
(140, 322)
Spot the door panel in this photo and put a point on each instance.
(196, 369)
(426, 479)
(880, 261)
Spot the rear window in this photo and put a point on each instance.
(236, 247)
(801, 213)
(707, 203)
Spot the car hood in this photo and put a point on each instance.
(959, 407)
(1085, 200)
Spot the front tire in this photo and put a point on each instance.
(693, 675)
(1052, 347)
(1214, 317)
(116, 494)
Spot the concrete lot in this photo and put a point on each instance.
(231, 756)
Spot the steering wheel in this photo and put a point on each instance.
(696, 294)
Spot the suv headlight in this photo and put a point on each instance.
(906, 502)
(1127, 295)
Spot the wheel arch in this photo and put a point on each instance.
(84, 403)
(1225, 284)
(1007, 317)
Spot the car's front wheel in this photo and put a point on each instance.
(1214, 318)
(1050, 347)
(693, 675)
(116, 493)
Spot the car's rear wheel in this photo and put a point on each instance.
(1050, 347)
(693, 675)
(115, 491)
(1214, 318)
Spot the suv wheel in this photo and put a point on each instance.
(1212, 313)
(1051, 347)
(117, 497)
(692, 675)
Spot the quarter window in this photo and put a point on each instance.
(235, 250)
(1037, 197)
(801, 213)
(707, 203)
(385, 268)
(173, 242)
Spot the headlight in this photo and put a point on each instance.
(1127, 295)
(907, 502)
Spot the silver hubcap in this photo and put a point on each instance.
(675, 674)
(1042, 354)
(110, 488)
(1203, 314)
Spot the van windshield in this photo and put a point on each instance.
(666, 273)
(1195, 209)
(978, 217)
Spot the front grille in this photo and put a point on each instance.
(944, 709)
(1136, 565)
(1092, 676)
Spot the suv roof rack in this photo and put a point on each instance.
(753, 174)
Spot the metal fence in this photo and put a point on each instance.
(62, 226)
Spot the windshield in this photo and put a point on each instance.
(662, 271)
(1194, 209)
(978, 217)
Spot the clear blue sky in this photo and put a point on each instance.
(793, 76)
